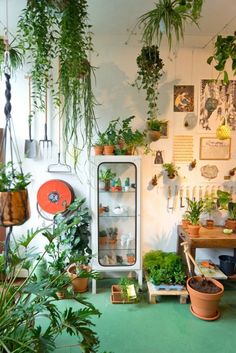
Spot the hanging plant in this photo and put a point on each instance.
(15, 55)
(150, 71)
(224, 52)
(169, 18)
(52, 30)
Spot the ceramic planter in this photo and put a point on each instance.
(205, 306)
(98, 150)
(108, 150)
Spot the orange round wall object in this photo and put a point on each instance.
(55, 196)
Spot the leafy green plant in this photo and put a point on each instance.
(232, 211)
(223, 199)
(224, 52)
(194, 210)
(209, 205)
(106, 174)
(112, 232)
(102, 233)
(23, 304)
(110, 134)
(164, 268)
(124, 284)
(150, 71)
(12, 179)
(59, 30)
(155, 124)
(15, 55)
(129, 139)
(171, 169)
(169, 18)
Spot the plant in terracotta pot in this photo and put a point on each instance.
(110, 137)
(102, 237)
(154, 127)
(231, 221)
(99, 144)
(112, 233)
(194, 211)
(124, 292)
(14, 203)
(170, 169)
(106, 175)
(209, 208)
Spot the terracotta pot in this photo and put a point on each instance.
(209, 223)
(98, 150)
(108, 150)
(117, 297)
(193, 230)
(231, 224)
(205, 305)
(185, 223)
(80, 284)
(154, 135)
(102, 240)
(131, 259)
(14, 208)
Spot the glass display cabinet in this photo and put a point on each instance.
(116, 214)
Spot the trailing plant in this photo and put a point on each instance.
(12, 179)
(15, 55)
(23, 304)
(150, 71)
(168, 18)
(164, 268)
(59, 30)
(224, 52)
(194, 210)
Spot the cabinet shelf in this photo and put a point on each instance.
(117, 216)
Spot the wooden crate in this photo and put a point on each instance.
(116, 296)
(153, 293)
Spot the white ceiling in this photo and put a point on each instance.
(118, 16)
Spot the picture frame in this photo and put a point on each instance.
(183, 98)
(212, 148)
(165, 130)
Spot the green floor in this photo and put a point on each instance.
(166, 327)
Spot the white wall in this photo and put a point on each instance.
(116, 71)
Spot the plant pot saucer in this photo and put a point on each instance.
(206, 318)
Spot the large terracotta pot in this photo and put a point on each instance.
(193, 230)
(205, 305)
(80, 284)
(231, 224)
(14, 208)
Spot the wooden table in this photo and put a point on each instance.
(208, 238)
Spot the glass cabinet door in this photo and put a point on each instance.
(117, 214)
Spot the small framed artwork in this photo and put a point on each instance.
(164, 130)
(214, 149)
(183, 98)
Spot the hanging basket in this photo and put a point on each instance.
(14, 208)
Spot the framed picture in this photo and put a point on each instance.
(214, 149)
(217, 100)
(164, 130)
(183, 98)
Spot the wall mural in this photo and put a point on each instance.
(216, 101)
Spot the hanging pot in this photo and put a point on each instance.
(153, 135)
(14, 208)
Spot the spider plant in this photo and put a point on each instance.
(15, 55)
(169, 18)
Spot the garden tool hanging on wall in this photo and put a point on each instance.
(45, 142)
(31, 146)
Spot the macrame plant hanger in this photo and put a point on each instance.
(9, 215)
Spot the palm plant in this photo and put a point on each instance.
(168, 17)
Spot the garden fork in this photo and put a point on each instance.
(46, 143)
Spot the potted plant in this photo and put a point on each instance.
(194, 210)
(150, 71)
(106, 175)
(209, 207)
(224, 52)
(231, 220)
(164, 268)
(168, 18)
(170, 169)
(27, 303)
(129, 139)
(99, 144)
(112, 233)
(76, 241)
(14, 203)
(15, 55)
(130, 258)
(124, 292)
(154, 128)
(110, 137)
(102, 237)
